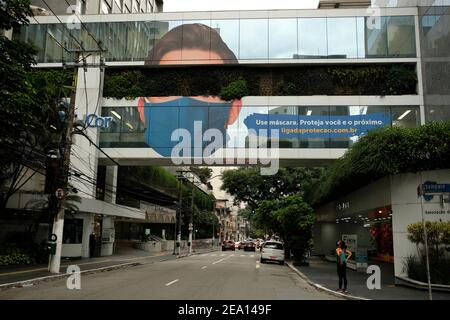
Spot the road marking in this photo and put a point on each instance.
(213, 255)
(217, 261)
(242, 255)
(204, 267)
(204, 255)
(252, 255)
(222, 255)
(257, 265)
(232, 255)
(171, 282)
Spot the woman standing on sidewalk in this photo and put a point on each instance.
(343, 255)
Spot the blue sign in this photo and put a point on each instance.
(302, 126)
(93, 120)
(429, 188)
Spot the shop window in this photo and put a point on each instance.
(73, 231)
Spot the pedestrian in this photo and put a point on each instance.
(92, 239)
(342, 255)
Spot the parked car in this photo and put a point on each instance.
(273, 251)
(241, 245)
(249, 246)
(237, 245)
(228, 245)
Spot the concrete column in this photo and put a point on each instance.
(88, 227)
(111, 183)
(88, 100)
(108, 235)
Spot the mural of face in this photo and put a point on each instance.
(163, 115)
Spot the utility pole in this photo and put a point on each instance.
(191, 218)
(425, 238)
(65, 147)
(180, 203)
(58, 224)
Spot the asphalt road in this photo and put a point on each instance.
(210, 276)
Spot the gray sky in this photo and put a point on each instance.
(218, 5)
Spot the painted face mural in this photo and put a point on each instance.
(187, 44)
(163, 115)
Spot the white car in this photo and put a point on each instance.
(272, 251)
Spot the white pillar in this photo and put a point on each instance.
(88, 227)
(88, 100)
(111, 183)
(108, 235)
(190, 241)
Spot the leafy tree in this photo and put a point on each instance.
(383, 152)
(248, 185)
(203, 173)
(292, 219)
(28, 102)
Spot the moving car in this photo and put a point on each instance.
(228, 245)
(273, 251)
(249, 246)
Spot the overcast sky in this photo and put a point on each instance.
(217, 5)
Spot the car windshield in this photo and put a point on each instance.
(274, 245)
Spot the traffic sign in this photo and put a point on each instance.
(59, 193)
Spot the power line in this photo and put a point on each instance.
(84, 26)
(70, 33)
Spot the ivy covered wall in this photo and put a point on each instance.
(394, 79)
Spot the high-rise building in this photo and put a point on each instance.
(63, 7)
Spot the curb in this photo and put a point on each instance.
(31, 282)
(322, 288)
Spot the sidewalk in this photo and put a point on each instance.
(323, 273)
(124, 257)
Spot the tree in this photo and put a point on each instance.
(249, 186)
(28, 102)
(292, 219)
(203, 173)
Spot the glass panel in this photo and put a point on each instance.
(288, 139)
(282, 38)
(253, 39)
(342, 38)
(312, 38)
(401, 36)
(238, 132)
(438, 113)
(339, 113)
(304, 113)
(226, 38)
(376, 35)
(407, 117)
(196, 41)
(168, 43)
(361, 37)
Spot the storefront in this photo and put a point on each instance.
(373, 220)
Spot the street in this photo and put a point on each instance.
(218, 275)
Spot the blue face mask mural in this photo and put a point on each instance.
(163, 118)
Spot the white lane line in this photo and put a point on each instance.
(171, 282)
(204, 267)
(232, 255)
(222, 255)
(204, 255)
(217, 261)
(257, 265)
(242, 255)
(252, 255)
